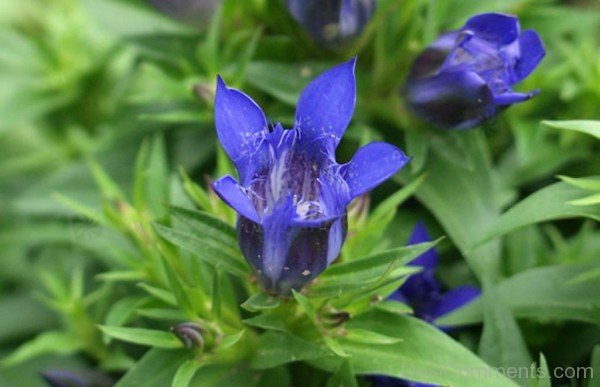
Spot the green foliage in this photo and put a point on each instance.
(111, 237)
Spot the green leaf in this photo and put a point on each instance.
(122, 311)
(176, 285)
(464, 201)
(194, 191)
(425, 354)
(207, 225)
(305, 305)
(55, 342)
(335, 346)
(591, 200)
(365, 336)
(205, 249)
(394, 307)
(595, 363)
(363, 272)
(540, 293)
(140, 20)
(502, 343)
(267, 321)
(23, 316)
(584, 126)
(260, 301)
(157, 180)
(161, 294)
(231, 340)
(343, 376)
(543, 376)
(417, 146)
(591, 183)
(142, 336)
(282, 80)
(107, 185)
(277, 348)
(549, 203)
(164, 314)
(368, 238)
(155, 369)
(185, 373)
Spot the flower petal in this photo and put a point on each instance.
(455, 299)
(326, 105)
(241, 124)
(452, 100)
(234, 195)
(372, 165)
(287, 254)
(494, 27)
(532, 52)
(428, 259)
(512, 97)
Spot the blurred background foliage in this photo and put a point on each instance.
(106, 109)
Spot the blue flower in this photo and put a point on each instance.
(465, 77)
(332, 22)
(292, 194)
(422, 291)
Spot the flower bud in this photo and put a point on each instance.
(332, 22)
(190, 334)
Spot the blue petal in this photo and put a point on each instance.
(512, 97)
(372, 165)
(430, 60)
(326, 105)
(241, 125)
(455, 299)
(428, 259)
(388, 381)
(453, 100)
(494, 27)
(234, 195)
(532, 52)
(287, 254)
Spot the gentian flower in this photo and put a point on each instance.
(292, 194)
(422, 291)
(332, 22)
(465, 77)
(195, 12)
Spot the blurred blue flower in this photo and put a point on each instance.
(422, 292)
(466, 76)
(332, 22)
(292, 194)
(194, 12)
(61, 378)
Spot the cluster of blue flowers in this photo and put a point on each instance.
(292, 195)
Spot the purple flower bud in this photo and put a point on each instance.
(190, 334)
(194, 12)
(465, 77)
(60, 378)
(332, 22)
(292, 194)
